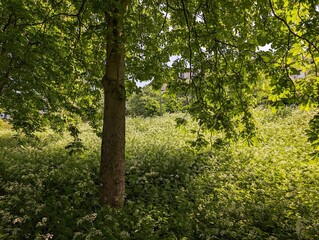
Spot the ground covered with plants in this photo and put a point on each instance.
(265, 191)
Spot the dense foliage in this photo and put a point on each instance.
(150, 102)
(53, 54)
(266, 191)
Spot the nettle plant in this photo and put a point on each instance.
(265, 191)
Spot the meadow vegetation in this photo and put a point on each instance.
(265, 191)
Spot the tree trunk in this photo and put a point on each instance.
(112, 168)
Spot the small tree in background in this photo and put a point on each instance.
(147, 103)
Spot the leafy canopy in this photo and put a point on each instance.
(52, 57)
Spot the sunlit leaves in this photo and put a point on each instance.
(49, 69)
(57, 49)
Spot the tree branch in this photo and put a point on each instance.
(290, 30)
(8, 23)
(189, 38)
(165, 19)
(171, 7)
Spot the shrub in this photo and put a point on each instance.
(150, 102)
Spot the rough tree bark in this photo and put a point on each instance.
(112, 168)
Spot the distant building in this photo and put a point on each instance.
(186, 75)
(4, 116)
(298, 76)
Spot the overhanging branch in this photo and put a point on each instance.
(290, 30)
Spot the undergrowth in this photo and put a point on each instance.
(266, 191)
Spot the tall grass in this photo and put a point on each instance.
(266, 191)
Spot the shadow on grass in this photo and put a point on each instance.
(50, 192)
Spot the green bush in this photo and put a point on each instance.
(150, 102)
